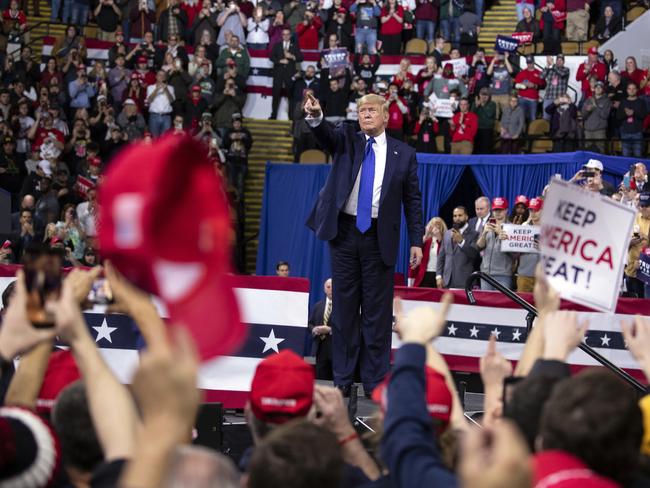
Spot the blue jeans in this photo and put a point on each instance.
(159, 123)
(504, 280)
(450, 30)
(632, 144)
(367, 37)
(530, 108)
(425, 29)
(56, 6)
(545, 103)
(520, 10)
(66, 15)
(79, 14)
(478, 7)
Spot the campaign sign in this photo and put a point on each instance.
(441, 107)
(523, 37)
(643, 273)
(505, 44)
(583, 241)
(459, 66)
(337, 61)
(521, 238)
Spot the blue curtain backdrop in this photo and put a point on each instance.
(291, 189)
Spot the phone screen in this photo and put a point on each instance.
(492, 221)
(43, 282)
(100, 293)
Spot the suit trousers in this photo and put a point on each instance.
(324, 358)
(362, 288)
(281, 80)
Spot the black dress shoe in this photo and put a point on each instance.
(345, 390)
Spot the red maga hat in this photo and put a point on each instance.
(282, 388)
(169, 231)
(536, 204)
(523, 199)
(499, 203)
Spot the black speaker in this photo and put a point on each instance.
(208, 424)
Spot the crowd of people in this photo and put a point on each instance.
(549, 428)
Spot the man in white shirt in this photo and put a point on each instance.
(160, 97)
(87, 213)
(482, 208)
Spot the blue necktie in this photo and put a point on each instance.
(364, 202)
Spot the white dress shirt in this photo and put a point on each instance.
(380, 148)
(160, 104)
(480, 222)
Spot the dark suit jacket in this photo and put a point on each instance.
(289, 69)
(315, 319)
(456, 263)
(400, 186)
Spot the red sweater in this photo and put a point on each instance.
(308, 34)
(395, 116)
(534, 76)
(559, 8)
(391, 27)
(583, 74)
(465, 131)
(399, 81)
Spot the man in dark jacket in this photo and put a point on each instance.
(284, 55)
(630, 114)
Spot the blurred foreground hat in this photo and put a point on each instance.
(438, 396)
(282, 388)
(169, 232)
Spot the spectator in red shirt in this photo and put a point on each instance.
(43, 130)
(307, 31)
(14, 19)
(404, 73)
(591, 67)
(398, 113)
(463, 128)
(392, 20)
(552, 24)
(426, 74)
(529, 82)
(632, 72)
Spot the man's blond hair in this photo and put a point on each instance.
(373, 99)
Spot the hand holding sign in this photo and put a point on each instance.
(581, 261)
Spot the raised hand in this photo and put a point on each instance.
(312, 106)
(562, 334)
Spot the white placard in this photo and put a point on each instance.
(460, 66)
(442, 107)
(584, 240)
(521, 238)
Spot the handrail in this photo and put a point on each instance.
(532, 313)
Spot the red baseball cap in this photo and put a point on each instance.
(523, 199)
(342, 10)
(159, 236)
(141, 59)
(536, 204)
(499, 203)
(6, 244)
(593, 50)
(282, 388)
(196, 88)
(438, 396)
(136, 76)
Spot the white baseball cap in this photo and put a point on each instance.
(594, 164)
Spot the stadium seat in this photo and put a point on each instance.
(416, 46)
(570, 48)
(440, 144)
(538, 127)
(634, 13)
(539, 47)
(541, 146)
(585, 46)
(313, 156)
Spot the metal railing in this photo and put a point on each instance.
(532, 313)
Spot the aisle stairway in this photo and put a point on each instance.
(271, 142)
(500, 19)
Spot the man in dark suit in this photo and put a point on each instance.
(359, 212)
(320, 320)
(458, 252)
(482, 208)
(284, 55)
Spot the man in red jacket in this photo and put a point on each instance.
(591, 67)
(307, 31)
(529, 81)
(463, 127)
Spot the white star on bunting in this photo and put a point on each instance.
(452, 330)
(516, 335)
(104, 332)
(604, 340)
(496, 332)
(473, 332)
(271, 342)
